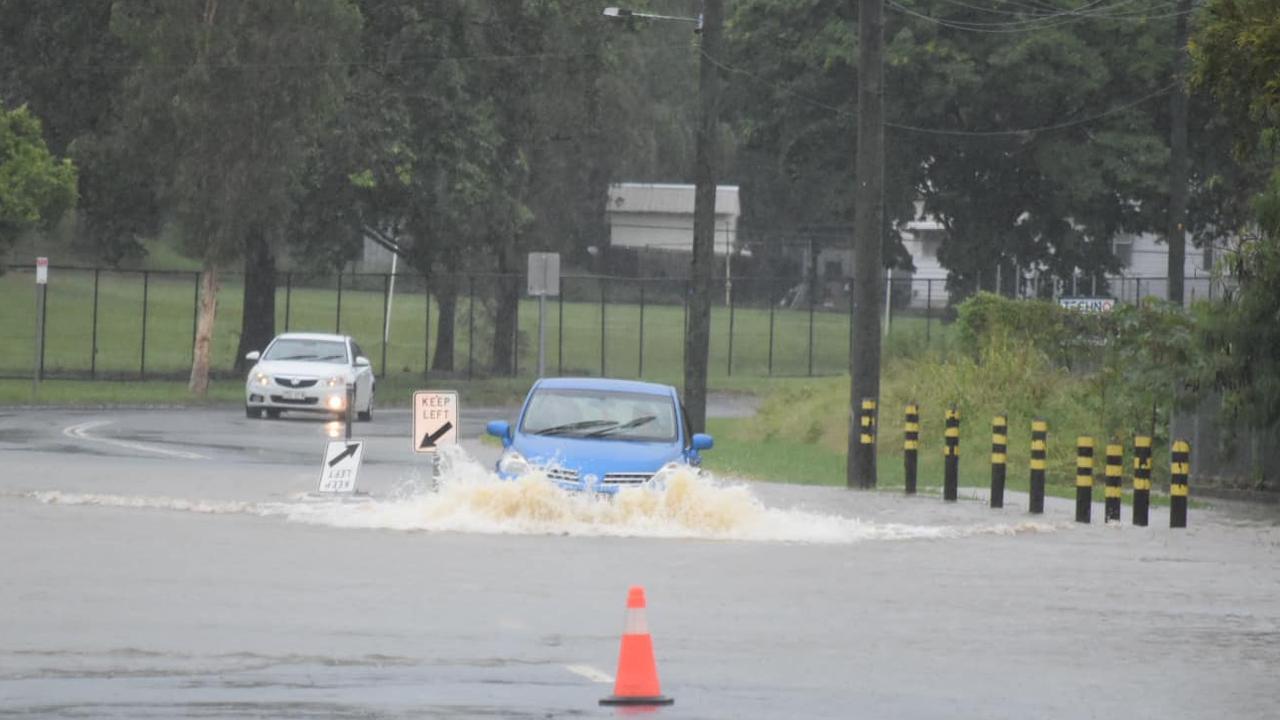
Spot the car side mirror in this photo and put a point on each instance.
(252, 356)
(702, 441)
(362, 361)
(500, 429)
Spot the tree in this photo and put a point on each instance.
(229, 96)
(1236, 54)
(35, 187)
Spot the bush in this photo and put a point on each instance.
(1065, 337)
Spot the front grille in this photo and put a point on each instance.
(290, 382)
(292, 401)
(627, 478)
(562, 475)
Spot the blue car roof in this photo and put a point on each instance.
(634, 386)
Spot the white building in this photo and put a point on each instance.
(659, 216)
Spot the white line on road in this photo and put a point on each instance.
(590, 673)
(81, 432)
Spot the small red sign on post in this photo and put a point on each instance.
(42, 271)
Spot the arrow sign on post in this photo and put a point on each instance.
(435, 420)
(340, 467)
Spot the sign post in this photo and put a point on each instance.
(42, 288)
(435, 423)
(544, 280)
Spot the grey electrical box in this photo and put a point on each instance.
(544, 274)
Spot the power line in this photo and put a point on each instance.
(1040, 22)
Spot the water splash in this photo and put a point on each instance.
(471, 499)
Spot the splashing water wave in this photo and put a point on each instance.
(470, 498)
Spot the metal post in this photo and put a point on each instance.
(337, 320)
(603, 333)
(37, 365)
(44, 322)
(351, 407)
(542, 334)
(772, 304)
(928, 310)
(951, 455)
(888, 297)
(911, 446)
(471, 324)
(1084, 478)
(1141, 479)
(1039, 451)
(426, 331)
(142, 361)
(733, 301)
(812, 291)
(288, 298)
(93, 341)
(386, 319)
(640, 364)
(560, 336)
(999, 458)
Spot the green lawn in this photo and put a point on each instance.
(573, 330)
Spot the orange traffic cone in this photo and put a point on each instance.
(637, 682)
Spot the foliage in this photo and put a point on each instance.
(35, 187)
(1237, 59)
(1063, 337)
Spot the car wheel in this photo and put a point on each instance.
(366, 415)
(252, 412)
(273, 413)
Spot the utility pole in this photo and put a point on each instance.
(1176, 237)
(698, 339)
(868, 223)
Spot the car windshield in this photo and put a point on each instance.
(331, 351)
(601, 414)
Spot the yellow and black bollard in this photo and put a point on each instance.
(1115, 472)
(999, 458)
(1039, 451)
(1084, 478)
(1141, 479)
(911, 446)
(1179, 469)
(951, 455)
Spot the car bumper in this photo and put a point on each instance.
(609, 484)
(319, 400)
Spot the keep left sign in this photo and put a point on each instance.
(341, 466)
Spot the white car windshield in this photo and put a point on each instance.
(330, 351)
(601, 414)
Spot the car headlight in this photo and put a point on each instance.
(261, 379)
(336, 381)
(513, 463)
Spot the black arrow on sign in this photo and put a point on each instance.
(430, 439)
(351, 450)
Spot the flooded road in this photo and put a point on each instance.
(145, 584)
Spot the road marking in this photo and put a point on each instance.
(590, 673)
(81, 432)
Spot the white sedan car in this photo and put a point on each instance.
(309, 372)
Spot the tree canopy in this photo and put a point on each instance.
(35, 187)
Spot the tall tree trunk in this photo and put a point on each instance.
(504, 323)
(868, 224)
(200, 354)
(446, 292)
(258, 321)
(698, 339)
(1177, 233)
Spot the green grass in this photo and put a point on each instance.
(574, 343)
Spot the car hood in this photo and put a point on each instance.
(299, 368)
(597, 456)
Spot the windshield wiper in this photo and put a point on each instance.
(643, 420)
(297, 357)
(570, 427)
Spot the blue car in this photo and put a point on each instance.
(598, 435)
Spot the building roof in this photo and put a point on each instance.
(668, 198)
